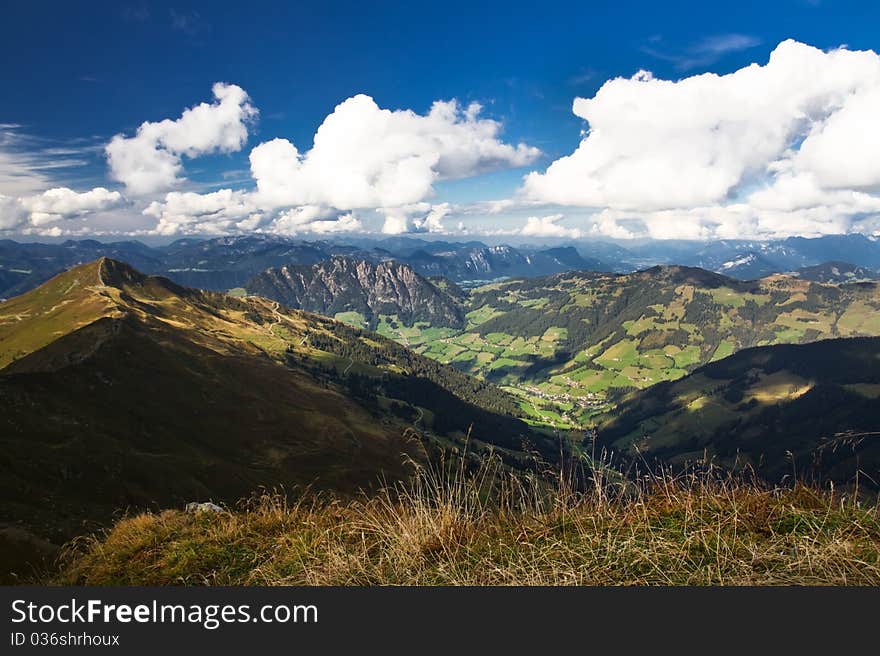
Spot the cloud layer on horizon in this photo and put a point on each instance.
(54, 205)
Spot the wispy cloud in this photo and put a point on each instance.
(705, 52)
(30, 164)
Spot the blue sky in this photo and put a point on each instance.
(76, 74)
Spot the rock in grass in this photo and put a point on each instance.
(207, 506)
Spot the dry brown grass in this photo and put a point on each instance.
(490, 528)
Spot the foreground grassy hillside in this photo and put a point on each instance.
(446, 530)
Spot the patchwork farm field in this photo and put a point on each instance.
(573, 345)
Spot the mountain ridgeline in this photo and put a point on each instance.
(224, 263)
(836, 273)
(123, 390)
(120, 390)
(364, 289)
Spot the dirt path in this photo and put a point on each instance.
(278, 318)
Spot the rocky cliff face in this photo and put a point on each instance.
(343, 284)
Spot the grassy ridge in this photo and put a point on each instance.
(448, 529)
(119, 390)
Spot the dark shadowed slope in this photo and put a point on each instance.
(810, 410)
(118, 389)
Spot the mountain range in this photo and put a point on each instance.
(570, 345)
(121, 390)
(749, 260)
(224, 263)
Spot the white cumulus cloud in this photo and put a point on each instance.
(363, 158)
(548, 226)
(314, 218)
(343, 223)
(12, 213)
(788, 147)
(53, 205)
(216, 212)
(367, 157)
(151, 161)
(416, 217)
(63, 203)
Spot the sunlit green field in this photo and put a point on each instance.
(570, 345)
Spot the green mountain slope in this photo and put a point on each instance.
(810, 409)
(571, 344)
(121, 390)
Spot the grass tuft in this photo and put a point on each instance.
(452, 527)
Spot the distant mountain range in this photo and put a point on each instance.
(778, 256)
(228, 262)
(572, 344)
(750, 260)
(836, 273)
(118, 389)
(225, 263)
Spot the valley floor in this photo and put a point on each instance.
(442, 530)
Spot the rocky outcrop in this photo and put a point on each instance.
(343, 284)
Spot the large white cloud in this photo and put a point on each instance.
(53, 205)
(12, 213)
(363, 157)
(735, 221)
(314, 218)
(213, 213)
(416, 217)
(63, 203)
(791, 145)
(150, 161)
(548, 226)
(367, 157)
